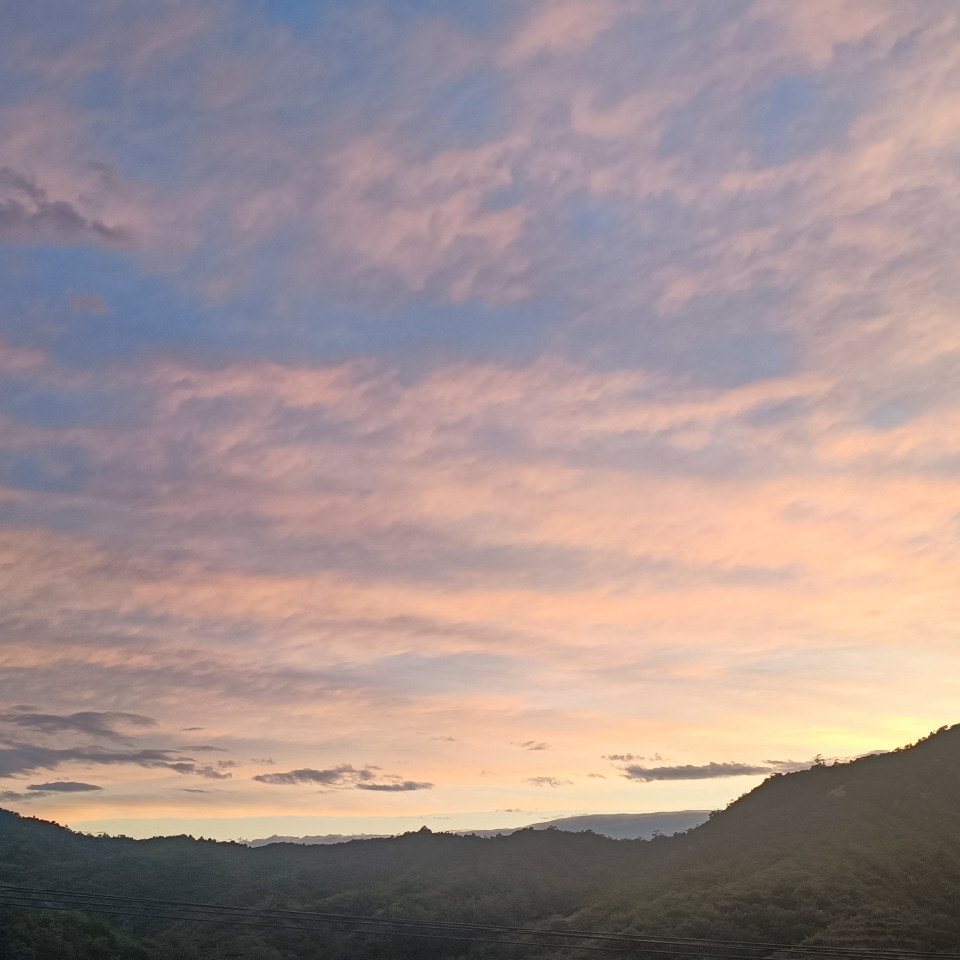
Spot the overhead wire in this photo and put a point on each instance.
(394, 921)
(233, 921)
(415, 928)
(679, 947)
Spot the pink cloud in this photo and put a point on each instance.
(716, 550)
(54, 189)
(815, 28)
(134, 45)
(562, 26)
(420, 220)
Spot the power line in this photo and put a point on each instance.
(680, 947)
(95, 901)
(459, 925)
(235, 917)
(12, 898)
(228, 914)
(233, 921)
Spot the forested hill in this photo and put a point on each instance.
(865, 853)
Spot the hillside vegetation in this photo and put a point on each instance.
(859, 854)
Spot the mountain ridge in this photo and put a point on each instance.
(617, 826)
(863, 853)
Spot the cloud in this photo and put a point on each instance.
(39, 790)
(532, 745)
(29, 216)
(93, 724)
(562, 26)
(689, 451)
(424, 224)
(20, 758)
(548, 782)
(333, 776)
(344, 776)
(402, 786)
(817, 27)
(210, 772)
(628, 757)
(707, 771)
(65, 786)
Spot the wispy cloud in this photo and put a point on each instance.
(65, 786)
(334, 776)
(17, 758)
(20, 758)
(93, 724)
(549, 782)
(628, 757)
(28, 216)
(401, 786)
(707, 771)
(608, 362)
(345, 776)
(202, 770)
(40, 790)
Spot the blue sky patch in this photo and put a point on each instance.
(57, 468)
(796, 117)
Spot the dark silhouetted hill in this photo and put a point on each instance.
(865, 853)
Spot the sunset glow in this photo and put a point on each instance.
(471, 413)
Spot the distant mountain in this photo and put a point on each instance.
(862, 854)
(320, 839)
(630, 826)
(618, 826)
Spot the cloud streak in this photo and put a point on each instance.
(65, 786)
(553, 782)
(29, 216)
(97, 725)
(334, 776)
(402, 786)
(344, 776)
(17, 758)
(600, 381)
(707, 771)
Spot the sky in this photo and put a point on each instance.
(464, 414)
